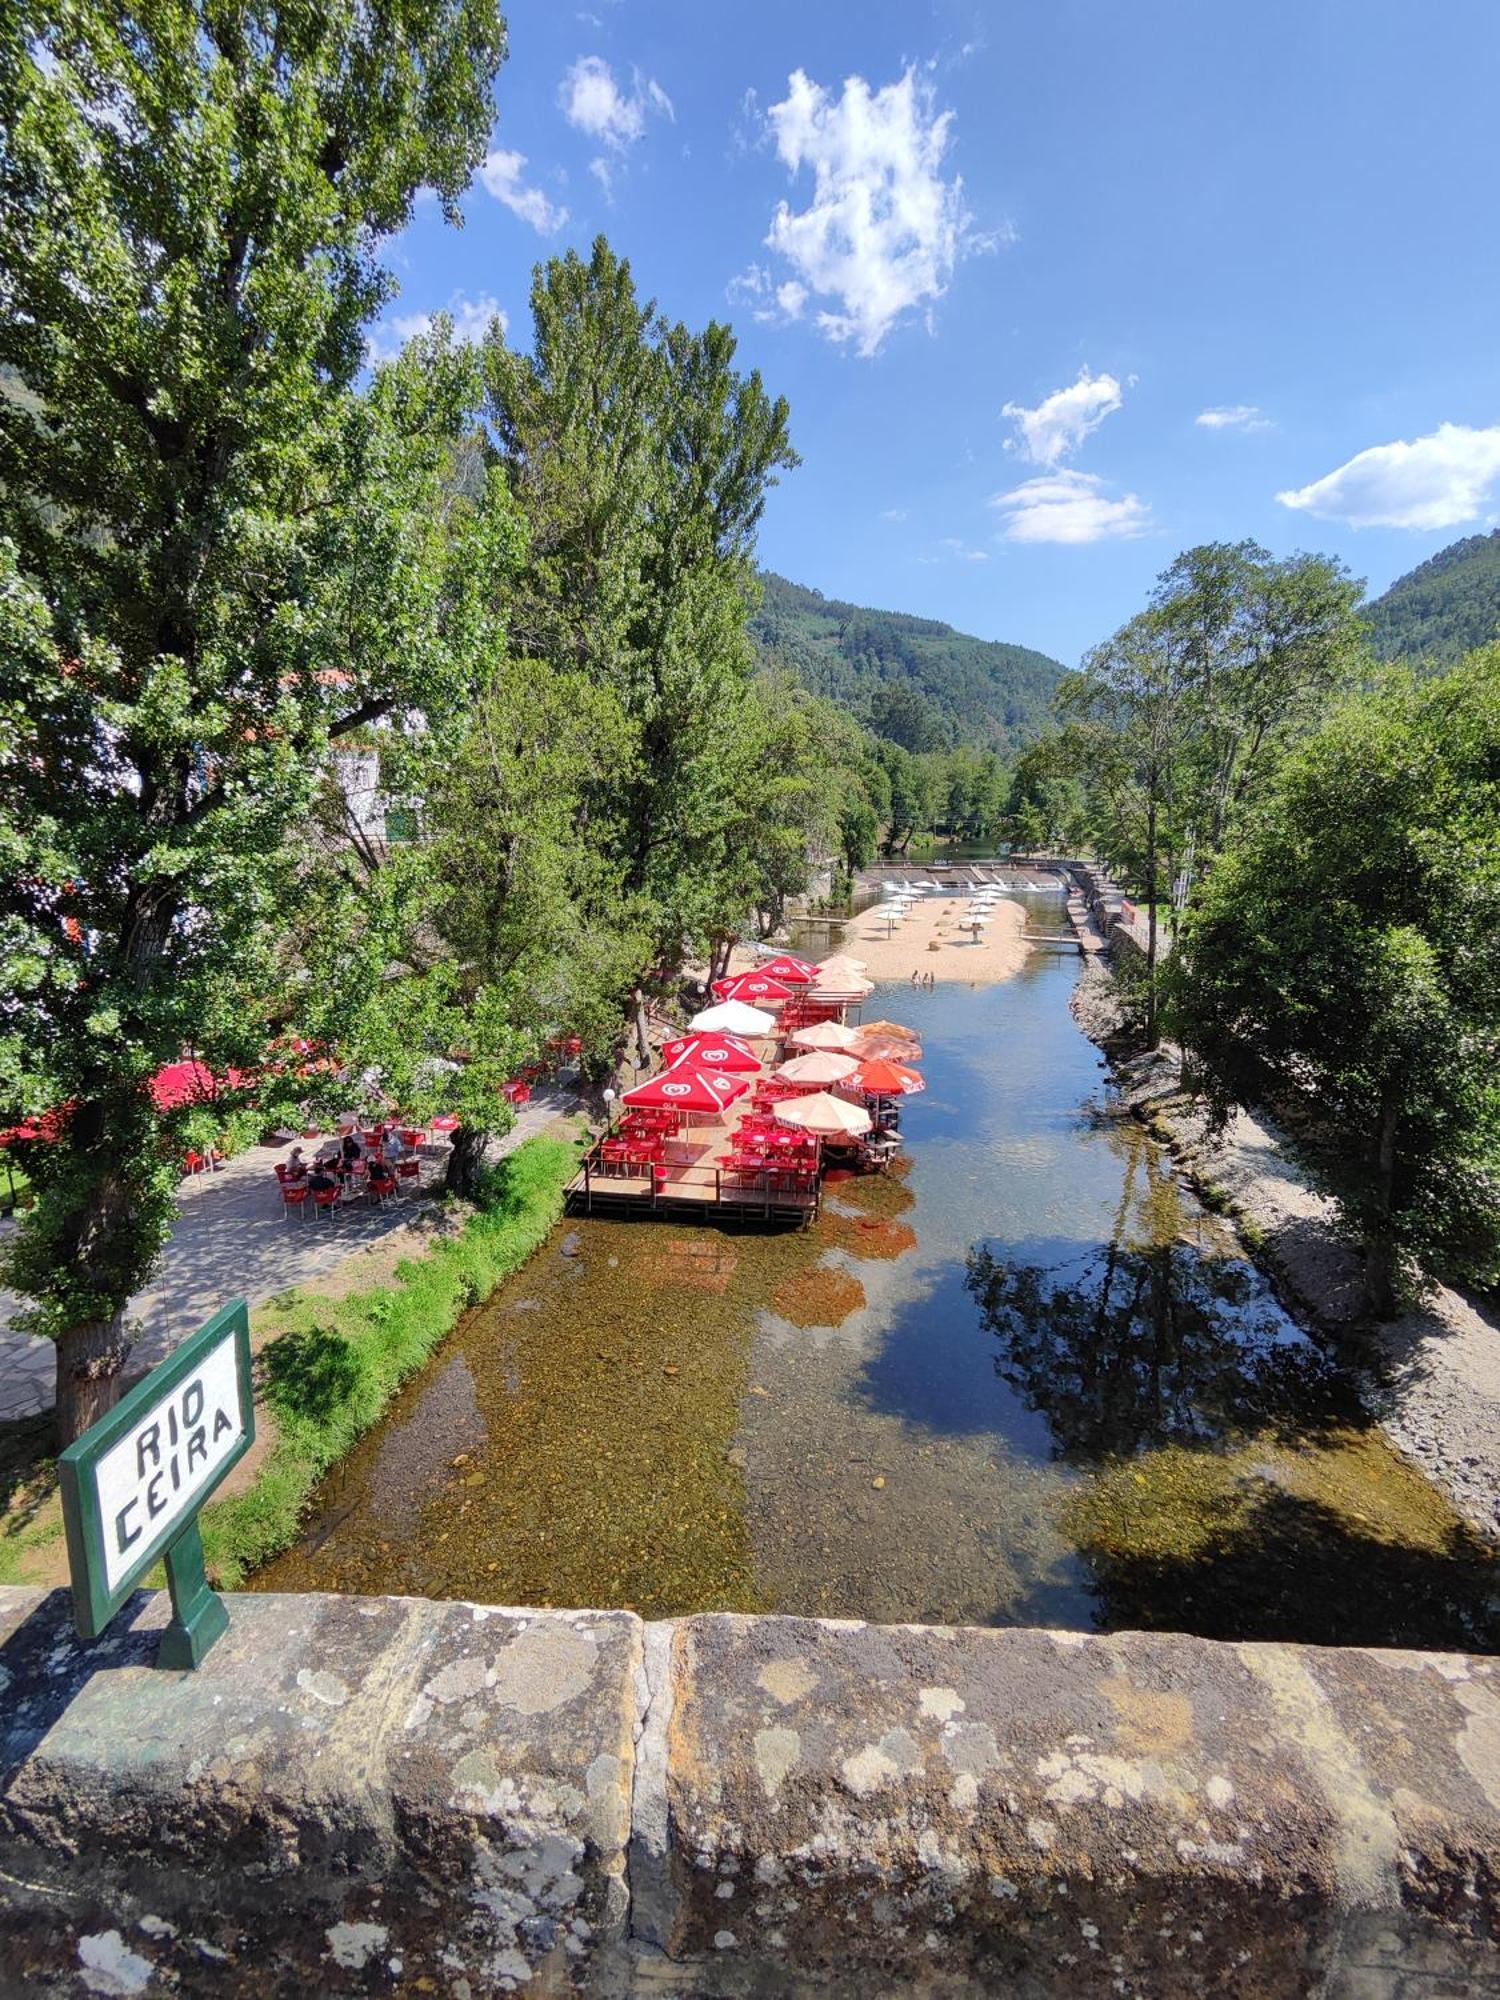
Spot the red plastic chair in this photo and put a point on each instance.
(381, 1185)
(294, 1198)
(408, 1170)
(327, 1200)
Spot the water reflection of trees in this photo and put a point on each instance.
(1271, 1564)
(1147, 1339)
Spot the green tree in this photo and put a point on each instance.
(1262, 645)
(1045, 804)
(1128, 714)
(902, 714)
(220, 556)
(910, 799)
(1345, 960)
(640, 458)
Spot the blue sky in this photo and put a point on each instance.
(1004, 260)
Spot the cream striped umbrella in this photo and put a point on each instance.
(826, 1035)
(830, 1117)
(821, 1067)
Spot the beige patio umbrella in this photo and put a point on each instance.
(893, 1030)
(840, 986)
(830, 1117)
(840, 961)
(820, 1067)
(826, 1035)
(890, 1040)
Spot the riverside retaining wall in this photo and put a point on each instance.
(385, 1795)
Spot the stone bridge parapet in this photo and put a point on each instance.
(387, 1795)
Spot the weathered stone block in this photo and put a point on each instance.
(351, 1795)
(913, 1809)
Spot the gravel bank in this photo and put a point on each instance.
(1430, 1379)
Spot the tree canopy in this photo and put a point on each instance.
(1344, 961)
(219, 559)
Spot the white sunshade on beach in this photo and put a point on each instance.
(840, 961)
(734, 1017)
(830, 1117)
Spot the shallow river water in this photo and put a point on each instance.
(1027, 1380)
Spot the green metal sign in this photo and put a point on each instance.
(132, 1485)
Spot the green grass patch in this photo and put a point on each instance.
(14, 1187)
(333, 1370)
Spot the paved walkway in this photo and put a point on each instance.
(232, 1240)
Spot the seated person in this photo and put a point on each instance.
(351, 1146)
(321, 1181)
(296, 1166)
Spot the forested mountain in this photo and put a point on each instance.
(913, 680)
(1443, 608)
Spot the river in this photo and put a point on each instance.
(1026, 1380)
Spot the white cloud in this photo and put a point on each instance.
(501, 175)
(893, 514)
(1436, 481)
(1234, 417)
(471, 322)
(1059, 424)
(593, 102)
(1072, 507)
(748, 132)
(884, 229)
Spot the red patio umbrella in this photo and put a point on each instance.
(684, 1089)
(756, 987)
(192, 1082)
(792, 971)
(723, 1053)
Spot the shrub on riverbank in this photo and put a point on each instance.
(330, 1375)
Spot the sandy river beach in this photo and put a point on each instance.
(931, 939)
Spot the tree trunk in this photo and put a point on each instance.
(642, 1026)
(720, 953)
(1380, 1277)
(91, 1358)
(1153, 1032)
(465, 1162)
(1382, 1265)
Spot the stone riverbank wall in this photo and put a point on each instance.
(385, 1795)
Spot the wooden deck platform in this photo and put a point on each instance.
(697, 1194)
(694, 1187)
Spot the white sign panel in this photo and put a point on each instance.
(158, 1470)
